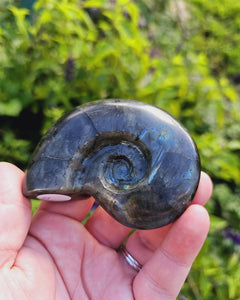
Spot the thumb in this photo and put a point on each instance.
(15, 213)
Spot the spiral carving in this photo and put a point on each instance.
(136, 160)
(120, 162)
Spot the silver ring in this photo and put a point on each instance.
(130, 260)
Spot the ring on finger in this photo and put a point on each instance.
(131, 261)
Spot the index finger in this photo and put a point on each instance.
(164, 274)
(111, 233)
(143, 243)
(204, 190)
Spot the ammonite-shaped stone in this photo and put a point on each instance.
(136, 160)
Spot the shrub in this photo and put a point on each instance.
(180, 58)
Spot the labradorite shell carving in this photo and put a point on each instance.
(135, 159)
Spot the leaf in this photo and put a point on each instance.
(10, 108)
(94, 3)
(234, 145)
(103, 50)
(20, 15)
(217, 223)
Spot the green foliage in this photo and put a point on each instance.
(35, 205)
(218, 22)
(180, 56)
(68, 54)
(215, 273)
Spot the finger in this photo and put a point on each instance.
(204, 190)
(15, 213)
(164, 274)
(143, 243)
(77, 209)
(106, 230)
(111, 233)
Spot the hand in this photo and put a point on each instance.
(53, 256)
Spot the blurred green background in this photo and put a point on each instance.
(183, 56)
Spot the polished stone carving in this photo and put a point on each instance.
(135, 159)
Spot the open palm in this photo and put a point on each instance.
(53, 256)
